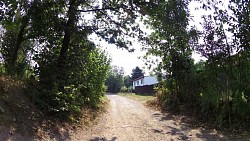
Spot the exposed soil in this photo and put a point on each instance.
(125, 120)
(20, 120)
(129, 120)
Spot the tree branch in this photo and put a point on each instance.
(99, 9)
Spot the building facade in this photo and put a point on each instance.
(144, 84)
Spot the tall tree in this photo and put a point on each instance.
(169, 41)
(127, 81)
(64, 56)
(15, 16)
(136, 73)
(114, 80)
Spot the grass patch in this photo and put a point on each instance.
(149, 100)
(139, 97)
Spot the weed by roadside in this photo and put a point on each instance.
(20, 118)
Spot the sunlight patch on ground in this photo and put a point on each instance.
(138, 97)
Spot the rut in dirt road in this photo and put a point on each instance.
(130, 120)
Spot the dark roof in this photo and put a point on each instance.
(138, 78)
(142, 77)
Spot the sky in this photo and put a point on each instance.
(129, 60)
(122, 58)
(125, 59)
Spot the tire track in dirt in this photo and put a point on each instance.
(129, 120)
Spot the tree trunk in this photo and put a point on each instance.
(17, 45)
(67, 34)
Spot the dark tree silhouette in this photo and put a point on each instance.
(136, 73)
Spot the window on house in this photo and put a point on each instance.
(142, 81)
(137, 82)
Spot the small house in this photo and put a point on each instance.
(144, 84)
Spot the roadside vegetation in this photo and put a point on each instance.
(46, 48)
(139, 97)
(117, 81)
(19, 115)
(215, 89)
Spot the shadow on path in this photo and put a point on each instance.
(184, 130)
(103, 139)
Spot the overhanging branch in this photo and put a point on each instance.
(100, 9)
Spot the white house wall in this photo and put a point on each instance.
(138, 82)
(147, 80)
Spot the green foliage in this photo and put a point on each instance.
(216, 89)
(169, 41)
(81, 82)
(15, 45)
(136, 73)
(114, 81)
(127, 81)
(240, 105)
(22, 64)
(69, 70)
(2, 69)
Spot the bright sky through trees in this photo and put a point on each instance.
(129, 60)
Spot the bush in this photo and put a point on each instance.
(64, 90)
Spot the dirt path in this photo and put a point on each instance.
(129, 120)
